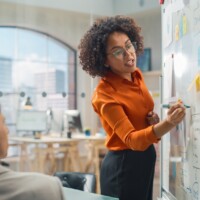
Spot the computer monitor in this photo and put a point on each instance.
(31, 121)
(72, 121)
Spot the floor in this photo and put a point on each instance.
(156, 192)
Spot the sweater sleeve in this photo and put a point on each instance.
(112, 112)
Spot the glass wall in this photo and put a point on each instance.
(36, 67)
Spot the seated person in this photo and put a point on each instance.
(25, 185)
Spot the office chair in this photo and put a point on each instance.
(77, 180)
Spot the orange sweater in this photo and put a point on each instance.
(122, 107)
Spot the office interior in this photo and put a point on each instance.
(39, 63)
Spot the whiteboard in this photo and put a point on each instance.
(31, 121)
(180, 151)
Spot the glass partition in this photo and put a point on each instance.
(35, 66)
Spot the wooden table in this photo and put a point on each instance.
(44, 151)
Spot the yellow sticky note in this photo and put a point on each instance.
(197, 81)
(184, 25)
(177, 32)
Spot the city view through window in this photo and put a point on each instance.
(36, 67)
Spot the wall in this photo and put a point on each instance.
(150, 23)
(129, 6)
(101, 7)
(80, 6)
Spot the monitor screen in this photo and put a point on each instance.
(28, 120)
(72, 120)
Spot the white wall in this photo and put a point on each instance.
(134, 6)
(99, 7)
(150, 22)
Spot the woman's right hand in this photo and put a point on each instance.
(175, 114)
(3, 137)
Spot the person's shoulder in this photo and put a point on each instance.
(103, 92)
(4, 170)
(104, 87)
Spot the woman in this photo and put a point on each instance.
(109, 49)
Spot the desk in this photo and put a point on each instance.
(71, 194)
(45, 156)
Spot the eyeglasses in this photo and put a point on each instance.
(120, 53)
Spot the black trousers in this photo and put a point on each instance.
(128, 174)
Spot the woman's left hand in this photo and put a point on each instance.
(152, 118)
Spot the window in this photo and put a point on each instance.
(35, 65)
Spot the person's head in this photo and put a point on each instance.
(111, 43)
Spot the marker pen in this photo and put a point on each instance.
(168, 106)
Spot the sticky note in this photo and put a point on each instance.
(181, 28)
(197, 81)
(184, 24)
(177, 32)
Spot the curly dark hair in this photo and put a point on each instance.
(93, 44)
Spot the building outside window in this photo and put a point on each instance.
(38, 66)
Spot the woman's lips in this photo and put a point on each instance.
(130, 63)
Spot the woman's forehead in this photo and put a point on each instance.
(117, 39)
